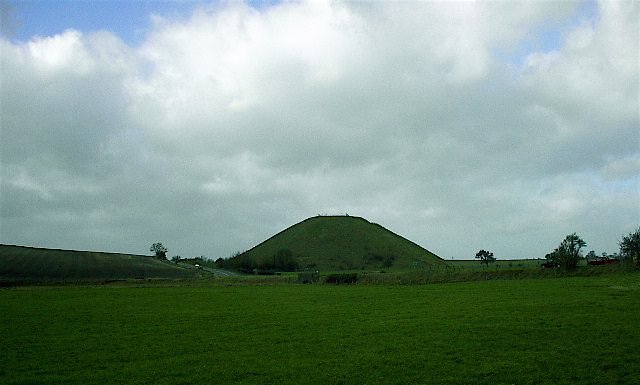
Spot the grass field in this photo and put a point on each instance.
(579, 330)
(29, 264)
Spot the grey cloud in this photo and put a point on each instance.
(224, 128)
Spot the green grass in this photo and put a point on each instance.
(577, 330)
(28, 264)
(343, 243)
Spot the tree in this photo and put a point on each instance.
(284, 260)
(630, 247)
(568, 253)
(485, 257)
(175, 259)
(159, 249)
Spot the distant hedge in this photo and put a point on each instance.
(342, 278)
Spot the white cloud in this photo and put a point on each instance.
(58, 52)
(229, 125)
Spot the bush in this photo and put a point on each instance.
(308, 276)
(378, 260)
(342, 278)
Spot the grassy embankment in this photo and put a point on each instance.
(29, 264)
(579, 330)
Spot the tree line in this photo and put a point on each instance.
(569, 252)
(282, 260)
(567, 256)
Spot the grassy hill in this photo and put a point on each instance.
(341, 243)
(20, 263)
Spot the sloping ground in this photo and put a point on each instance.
(343, 243)
(20, 263)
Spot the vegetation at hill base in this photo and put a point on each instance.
(579, 330)
(332, 243)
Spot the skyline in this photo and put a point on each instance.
(211, 126)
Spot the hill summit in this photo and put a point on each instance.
(335, 243)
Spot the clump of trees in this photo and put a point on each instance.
(377, 260)
(568, 253)
(630, 247)
(282, 260)
(159, 250)
(485, 257)
(342, 278)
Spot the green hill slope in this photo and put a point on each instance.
(339, 243)
(20, 263)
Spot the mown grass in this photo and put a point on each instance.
(576, 330)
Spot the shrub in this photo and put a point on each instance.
(308, 276)
(342, 278)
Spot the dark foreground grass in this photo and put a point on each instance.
(579, 330)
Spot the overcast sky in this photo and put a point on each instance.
(210, 126)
